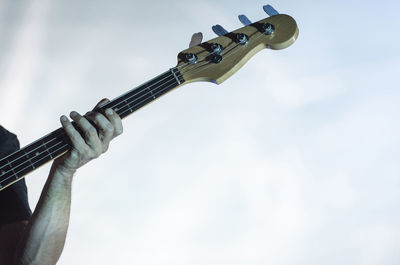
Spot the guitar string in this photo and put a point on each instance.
(171, 78)
(207, 62)
(50, 140)
(230, 49)
(120, 114)
(192, 69)
(180, 74)
(200, 60)
(227, 56)
(151, 96)
(65, 145)
(63, 134)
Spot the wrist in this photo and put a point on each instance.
(65, 173)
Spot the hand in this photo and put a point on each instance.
(94, 140)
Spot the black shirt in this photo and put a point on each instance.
(14, 206)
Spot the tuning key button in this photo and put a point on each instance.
(245, 21)
(219, 30)
(216, 48)
(215, 58)
(242, 39)
(190, 58)
(270, 10)
(268, 29)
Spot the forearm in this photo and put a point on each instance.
(44, 237)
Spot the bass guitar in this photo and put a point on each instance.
(213, 61)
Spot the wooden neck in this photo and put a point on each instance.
(16, 165)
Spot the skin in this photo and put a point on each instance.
(40, 240)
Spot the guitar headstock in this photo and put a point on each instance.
(217, 59)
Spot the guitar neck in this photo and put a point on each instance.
(16, 165)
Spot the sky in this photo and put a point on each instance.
(292, 160)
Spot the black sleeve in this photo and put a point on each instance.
(14, 204)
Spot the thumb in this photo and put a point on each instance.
(101, 103)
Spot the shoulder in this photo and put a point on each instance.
(8, 142)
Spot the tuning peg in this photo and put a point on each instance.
(219, 30)
(245, 21)
(270, 10)
(196, 39)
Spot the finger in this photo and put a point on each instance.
(89, 132)
(115, 120)
(104, 127)
(76, 139)
(101, 103)
(196, 39)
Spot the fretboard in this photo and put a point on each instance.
(16, 165)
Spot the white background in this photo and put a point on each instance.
(293, 160)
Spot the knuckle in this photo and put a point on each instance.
(109, 128)
(119, 131)
(96, 115)
(96, 154)
(96, 151)
(90, 132)
(74, 136)
(99, 149)
(105, 148)
(74, 154)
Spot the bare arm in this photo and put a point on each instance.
(44, 236)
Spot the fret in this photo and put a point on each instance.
(27, 157)
(31, 150)
(5, 168)
(18, 161)
(127, 104)
(140, 102)
(10, 175)
(46, 149)
(39, 153)
(10, 166)
(7, 178)
(23, 169)
(143, 94)
(151, 92)
(177, 75)
(159, 92)
(137, 95)
(130, 101)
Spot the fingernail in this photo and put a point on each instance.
(63, 118)
(109, 112)
(74, 114)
